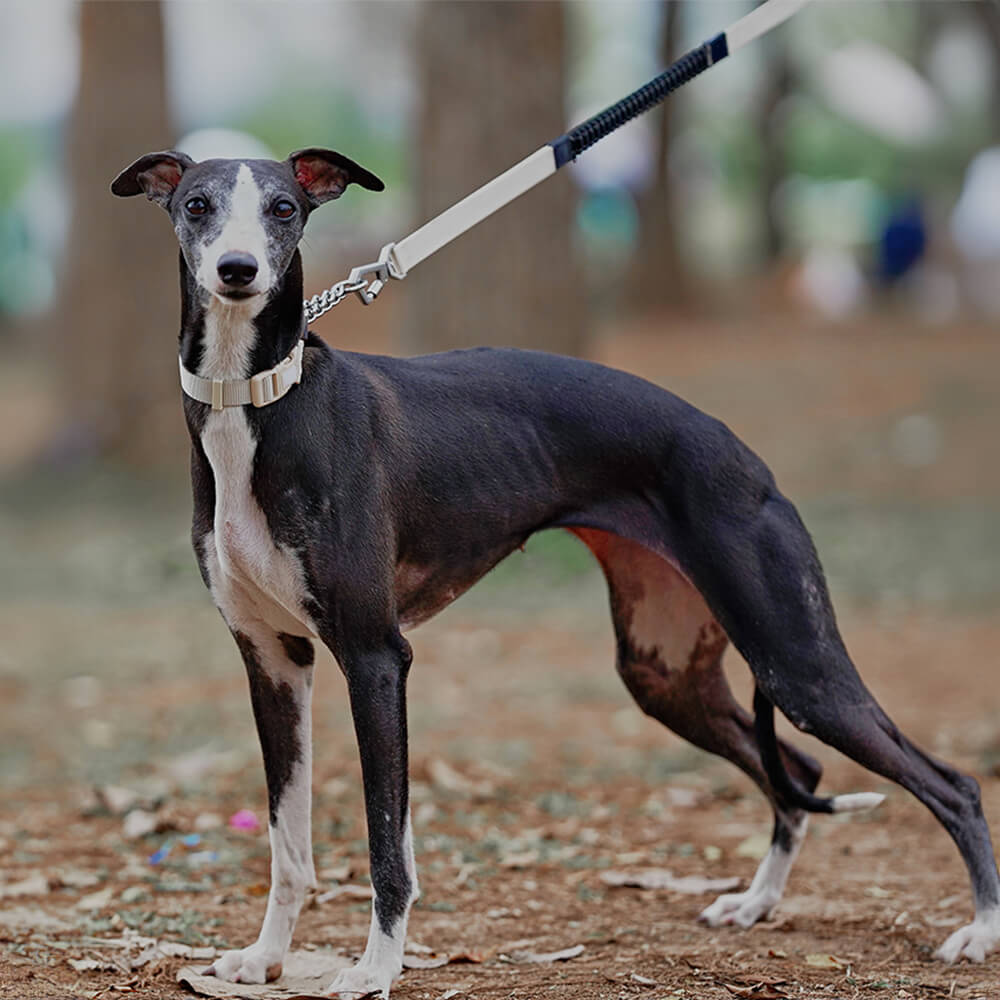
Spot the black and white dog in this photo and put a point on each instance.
(373, 491)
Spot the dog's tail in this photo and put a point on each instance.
(780, 779)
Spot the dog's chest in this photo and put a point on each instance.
(251, 575)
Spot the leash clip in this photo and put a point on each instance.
(358, 282)
(382, 270)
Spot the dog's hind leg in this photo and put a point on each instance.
(280, 670)
(754, 561)
(669, 654)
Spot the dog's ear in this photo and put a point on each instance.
(324, 174)
(156, 174)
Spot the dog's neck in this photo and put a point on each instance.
(234, 340)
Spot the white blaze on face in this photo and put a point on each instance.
(242, 232)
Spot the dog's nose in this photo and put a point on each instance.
(237, 268)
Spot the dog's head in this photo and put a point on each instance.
(239, 221)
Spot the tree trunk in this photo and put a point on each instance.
(492, 78)
(658, 279)
(117, 317)
(989, 17)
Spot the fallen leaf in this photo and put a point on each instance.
(660, 878)
(820, 961)
(35, 884)
(207, 821)
(465, 958)
(524, 957)
(75, 879)
(416, 948)
(761, 991)
(347, 892)
(447, 778)
(191, 767)
(464, 872)
(683, 798)
(116, 799)
(755, 846)
(147, 794)
(139, 822)
(18, 917)
(424, 962)
(90, 965)
(96, 900)
(338, 873)
(305, 974)
(631, 857)
(643, 980)
(519, 861)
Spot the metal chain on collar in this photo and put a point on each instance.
(323, 302)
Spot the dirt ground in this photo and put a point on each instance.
(533, 774)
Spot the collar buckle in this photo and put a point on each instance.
(271, 385)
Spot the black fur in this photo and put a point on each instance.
(276, 713)
(298, 649)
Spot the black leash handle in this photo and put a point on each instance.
(570, 145)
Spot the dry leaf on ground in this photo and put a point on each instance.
(823, 961)
(346, 892)
(444, 776)
(525, 957)
(758, 991)
(306, 974)
(661, 878)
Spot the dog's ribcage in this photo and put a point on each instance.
(251, 577)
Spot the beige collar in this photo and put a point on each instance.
(260, 389)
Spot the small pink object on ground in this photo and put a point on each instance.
(244, 820)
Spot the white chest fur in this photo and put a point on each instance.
(252, 578)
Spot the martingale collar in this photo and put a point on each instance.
(259, 390)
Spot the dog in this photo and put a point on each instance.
(344, 498)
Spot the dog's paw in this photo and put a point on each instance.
(361, 981)
(247, 965)
(741, 908)
(974, 941)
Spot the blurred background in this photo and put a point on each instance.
(805, 242)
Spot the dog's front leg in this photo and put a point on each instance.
(376, 682)
(280, 671)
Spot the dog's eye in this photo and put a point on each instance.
(283, 209)
(196, 206)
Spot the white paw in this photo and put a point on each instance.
(361, 981)
(974, 941)
(247, 965)
(741, 908)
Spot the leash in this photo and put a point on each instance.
(396, 260)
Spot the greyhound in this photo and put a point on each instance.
(345, 497)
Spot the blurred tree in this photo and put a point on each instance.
(659, 278)
(988, 14)
(117, 313)
(492, 81)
